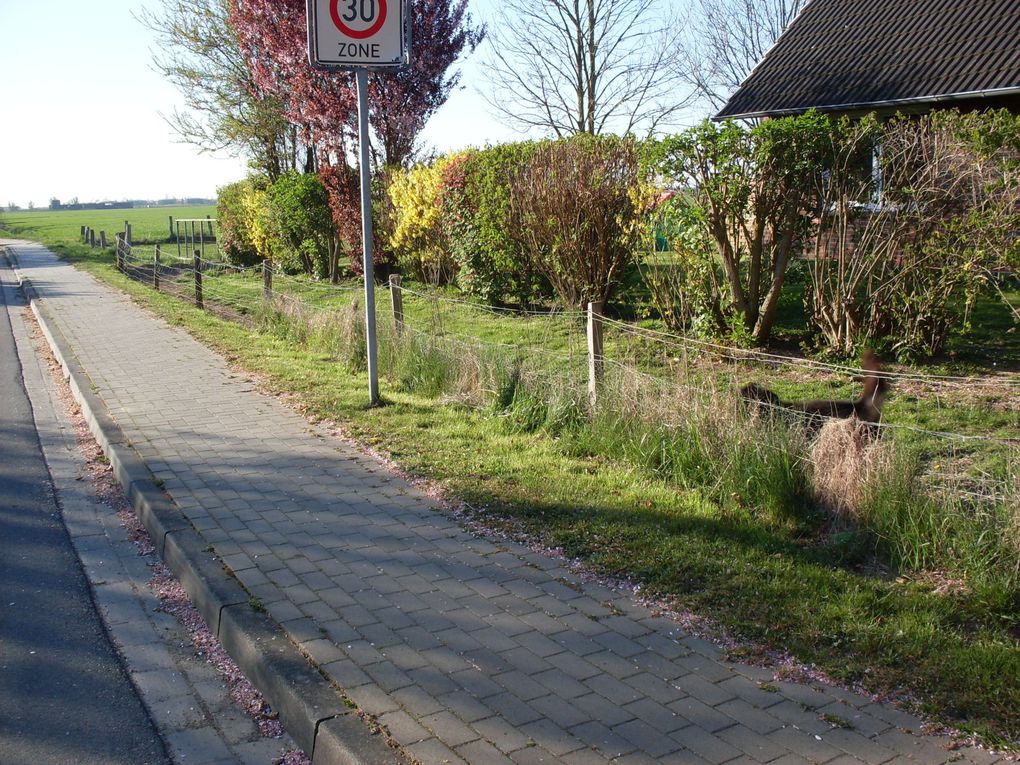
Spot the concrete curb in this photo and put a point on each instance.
(313, 712)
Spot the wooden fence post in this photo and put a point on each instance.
(171, 237)
(198, 280)
(117, 254)
(397, 298)
(128, 239)
(155, 269)
(102, 239)
(596, 359)
(83, 238)
(92, 238)
(267, 280)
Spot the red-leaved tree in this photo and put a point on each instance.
(273, 39)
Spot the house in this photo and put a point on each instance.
(887, 56)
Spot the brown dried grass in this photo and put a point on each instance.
(845, 455)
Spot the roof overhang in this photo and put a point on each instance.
(865, 107)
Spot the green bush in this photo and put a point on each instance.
(475, 197)
(299, 217)
(902, 275)
(575, 205)
(751, 190)
(242, 238)
(416, 231)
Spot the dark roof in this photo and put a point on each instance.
(856, 55)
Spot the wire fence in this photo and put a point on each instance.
(947, 415)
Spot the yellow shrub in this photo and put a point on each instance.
(419, 237)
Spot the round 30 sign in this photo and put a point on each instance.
(359, 19)
(353, 34)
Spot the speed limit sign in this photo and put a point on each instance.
(348, 34)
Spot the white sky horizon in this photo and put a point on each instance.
(81, 108)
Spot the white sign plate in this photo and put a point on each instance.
(348, 34)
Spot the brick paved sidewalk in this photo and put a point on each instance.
(466, 650)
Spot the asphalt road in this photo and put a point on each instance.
(64, 696)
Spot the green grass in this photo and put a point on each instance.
(741, 546)
(148, 224)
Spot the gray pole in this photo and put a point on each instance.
(366, 236)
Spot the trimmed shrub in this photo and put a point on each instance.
(575, 207)
(239, 207)
(299, 217)
(475, 198)
(344, 188)
(417, 233)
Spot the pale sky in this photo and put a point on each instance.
(80, 109)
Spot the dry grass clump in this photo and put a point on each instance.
(468, 384)
(845, 455)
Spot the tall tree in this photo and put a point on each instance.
(584, 66)
(225, 108)
(725, 40)
(273, 39)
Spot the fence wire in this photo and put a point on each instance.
(552, 341)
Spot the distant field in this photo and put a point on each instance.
(148, 224)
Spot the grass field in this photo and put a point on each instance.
(944, 629)
(148, 224)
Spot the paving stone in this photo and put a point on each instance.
(706, 745)
(750, 692)
(404, 728)
(615, 690)
(515, 711)
(617, 666)
(859, 746)
(758, 747)
(552, 737)
(603, 739)
(751, 717)
(587, 757)
(450, 729)
(465, 706)
(372, 700)
(661, 718)
(483, 753)
(505, 736)
(654, 688)
(924, 749)
(199, 745)
(643, 736)
(804, 744)
(533, 755)
(434, 750)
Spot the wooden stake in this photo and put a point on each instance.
(267, 280)
(199, 302)
(596, 359)
(397, 298)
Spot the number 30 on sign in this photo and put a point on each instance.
(347, 34)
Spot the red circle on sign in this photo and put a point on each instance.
(334, 12)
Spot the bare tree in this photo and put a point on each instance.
(583, 66)
(725, 40)
(224, 109)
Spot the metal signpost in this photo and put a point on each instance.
(359, 35)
